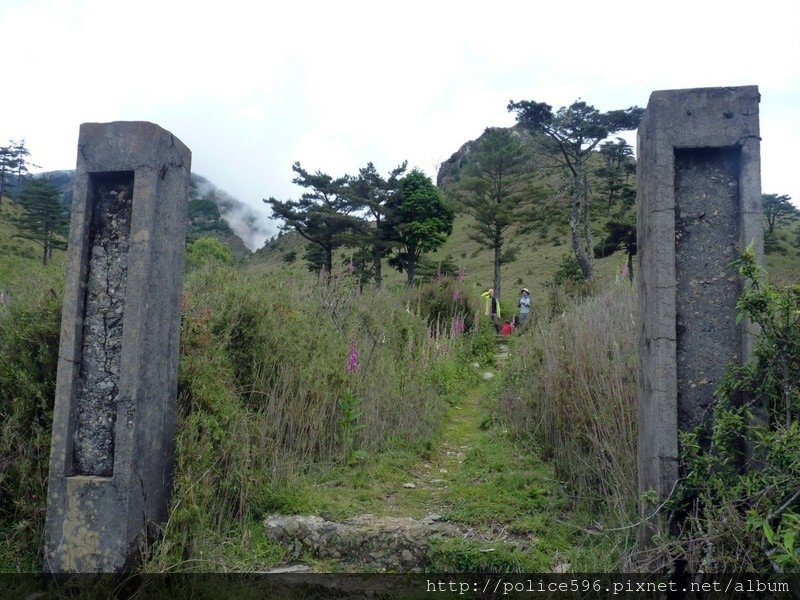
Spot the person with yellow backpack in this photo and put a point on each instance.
(491, 308)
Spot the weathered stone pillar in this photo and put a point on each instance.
(113, 425)
(699, 196)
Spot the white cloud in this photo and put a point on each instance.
(251, 88)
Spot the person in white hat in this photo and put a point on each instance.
(524, 306)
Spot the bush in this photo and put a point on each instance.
(568, 271)
(442, 301)
(208, 251)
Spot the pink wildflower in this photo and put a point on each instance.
(351, 268)
(352, 359)
(461, 275)
(456, 295)
(457, 327)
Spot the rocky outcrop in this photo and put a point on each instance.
(395, 544)
(450, 169)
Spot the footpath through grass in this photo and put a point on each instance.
(515, 516)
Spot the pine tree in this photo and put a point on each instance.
(576, 130)
(21, 162)
(7, 164)
(322, 215)
(44, 219)
(777, 208)
(370, 191)
(496, 192)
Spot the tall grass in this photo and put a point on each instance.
(279, 375)
(30, 317)
(571, 385)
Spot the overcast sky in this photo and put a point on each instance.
(251, 89)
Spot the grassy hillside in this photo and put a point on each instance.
(538, 257)
(20, 258)
(782, 254)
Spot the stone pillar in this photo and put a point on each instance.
(113, 424)
(699, 197)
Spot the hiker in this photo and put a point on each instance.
(524, 307)
(492, 308)
(507, 329)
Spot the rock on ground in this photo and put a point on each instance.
(398, 544)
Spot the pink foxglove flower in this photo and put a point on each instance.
(457, 327)
(352, 359)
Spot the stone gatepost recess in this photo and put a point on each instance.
(699, 196)
(112, 449)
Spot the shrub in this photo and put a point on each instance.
(208, 251)
(568, 271)
(737, 502)
(440, 302)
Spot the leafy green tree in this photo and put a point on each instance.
(322, 215)
(777, 209)
(496, 191)
(576, 130)
(44, 219)
(370, 191)
(418, 221)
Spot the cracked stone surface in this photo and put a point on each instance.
(102, 329)
(706, 241)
